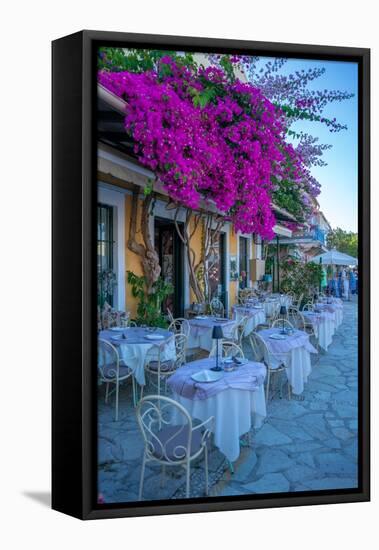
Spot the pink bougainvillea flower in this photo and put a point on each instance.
(226, 148)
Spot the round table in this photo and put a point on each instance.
(323, 325)
(236, 401)
(294, 351)
(138, 348)
(255, 314)
(201, 328)
(335, 308)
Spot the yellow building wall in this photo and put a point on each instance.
(196, 244)
(233, 243)
(132, 260)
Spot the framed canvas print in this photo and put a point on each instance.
(210, 274)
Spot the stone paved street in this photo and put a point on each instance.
(308, 443)
(312, 443)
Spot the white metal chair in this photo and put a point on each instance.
(227, 349)
(170, 437)
(309, 327)
(170, 315)
(297, 302)
(161, 369)
(291, 296)
(110, 371)
(275, 363)
(180, 326)
(308, 307)
(275, 312)
(296, 318)
(245, 294)
(217, 307)
(238, 332)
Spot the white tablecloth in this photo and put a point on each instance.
(295, 353)
(237, 404)
(255, 317)
(336, 308)
(323, 325)
(201, 332)
(136, 350)
(234, 411)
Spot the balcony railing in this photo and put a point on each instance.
(315, 234)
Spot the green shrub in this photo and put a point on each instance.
(149, 308)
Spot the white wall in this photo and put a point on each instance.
(27, 30)
(115, 197)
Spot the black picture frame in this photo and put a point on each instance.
(74, 274)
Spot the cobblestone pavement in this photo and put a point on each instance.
(307, 443)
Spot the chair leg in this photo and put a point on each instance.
(188, 470)
(134, 392)
(106, 392)
(159, 383)
(117, 391)
(206, 469)
(142, 476)
(267, 384)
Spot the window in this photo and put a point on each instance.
(243, 261)
(105, 242)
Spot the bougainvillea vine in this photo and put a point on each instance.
(210, 137)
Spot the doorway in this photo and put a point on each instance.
(169, 248)
(243, 262)
(217, 271)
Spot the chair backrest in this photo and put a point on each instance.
(263, 351)
(296, 318)
(170, 315)
(239, 330)
(180, 325)
(282, 323)
(181, 342)
(275, 311)
(297, 302)
(246, 294)
(260, 348)
(157, 351)
(227, 349)
(154, 414)
(109, 317)
(107, 360)
(308, 307)
(217, 307)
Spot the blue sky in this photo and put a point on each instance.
(339, 180)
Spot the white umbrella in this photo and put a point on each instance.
(334, 257)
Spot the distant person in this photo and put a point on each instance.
(334, 285)
(353, 282)
(339, 284)
(345, 284)
(324, 280)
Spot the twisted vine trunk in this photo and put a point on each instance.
(146, 250)
(199, 270)
(185, 234)
(209, 250)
